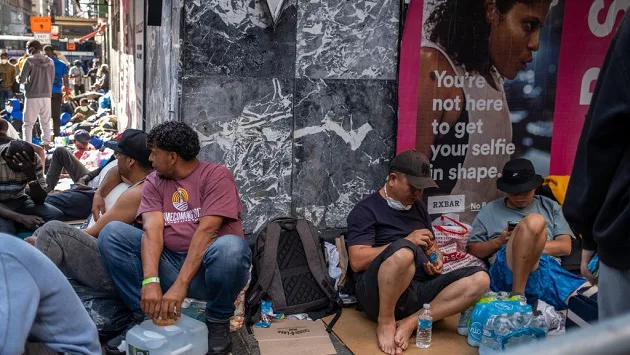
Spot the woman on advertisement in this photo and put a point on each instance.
(463, 120)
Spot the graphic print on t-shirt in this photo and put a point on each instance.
(180, 199)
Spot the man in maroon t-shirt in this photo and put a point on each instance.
(193, 243)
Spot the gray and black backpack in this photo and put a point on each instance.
(289, 269)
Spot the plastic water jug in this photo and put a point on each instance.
(186, 337)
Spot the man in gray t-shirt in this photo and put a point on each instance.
(523, 235)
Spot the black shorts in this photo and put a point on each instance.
(418, 293)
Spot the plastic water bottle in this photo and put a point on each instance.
(187, 336)
(425, 323)
(464, 318)
(488, 342)
(502, 328)
(518, 320)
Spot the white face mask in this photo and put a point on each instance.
(5, 61)
(9, 109)
(84, 108)
(397, 205)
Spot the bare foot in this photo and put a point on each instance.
(385, 331)
(404, 330)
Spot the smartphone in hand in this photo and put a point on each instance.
(511, 225)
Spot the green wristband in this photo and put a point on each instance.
(150, 280)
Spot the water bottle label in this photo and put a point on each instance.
(425, 323)
(475, 331)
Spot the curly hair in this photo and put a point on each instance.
(177, 137)
(460, 27)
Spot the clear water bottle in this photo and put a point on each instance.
(488, 342)
(425, 323)
(502, 328)
(518, 320)
(502, 295)
(464, 319)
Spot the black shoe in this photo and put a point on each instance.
(219, 340)
(118, 345)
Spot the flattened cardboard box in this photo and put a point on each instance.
(290, 337)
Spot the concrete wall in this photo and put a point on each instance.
(303, 114)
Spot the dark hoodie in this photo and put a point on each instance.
(597, 204)
(37, 75)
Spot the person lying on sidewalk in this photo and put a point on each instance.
(82, 143)
(63, 159)
(523, 235)
(77, 202)
(75, 251)
(192, 242)
(21, 167)
(394, 278)
(41, 313)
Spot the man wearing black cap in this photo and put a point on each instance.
(523, 235)
(394, 278)
(75, 251)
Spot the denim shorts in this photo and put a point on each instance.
(549, 282)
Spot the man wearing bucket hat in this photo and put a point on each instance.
(523, 235)
(394, 278)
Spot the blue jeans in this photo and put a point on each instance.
(75, 204)
(223, 273)
(26, 205)
(38, 304)
(5, 95)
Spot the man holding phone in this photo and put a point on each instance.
(523, 235)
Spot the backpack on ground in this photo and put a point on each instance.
(289, 269)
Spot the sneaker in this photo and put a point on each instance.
(118, 345)
(219, 340)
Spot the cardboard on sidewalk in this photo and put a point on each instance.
(290, 337)
(358, 333)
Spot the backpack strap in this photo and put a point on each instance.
(269, 262)
(314, 256)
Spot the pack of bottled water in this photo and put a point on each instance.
(507, 331)
(491, 304)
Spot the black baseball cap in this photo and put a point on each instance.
(132, 143)
(416, 168)
(82, 136)
(519, 176)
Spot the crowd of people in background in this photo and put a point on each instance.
(42, 85)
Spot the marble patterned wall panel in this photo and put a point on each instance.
(236, 38)
(163, 88)
(344, 141)
(347, 39)
(247, 124)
